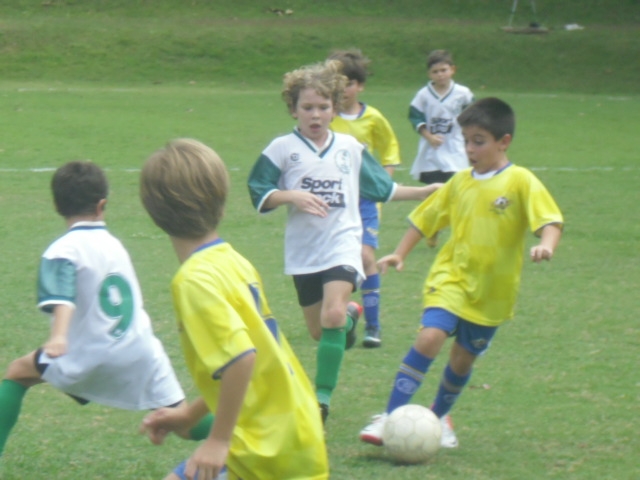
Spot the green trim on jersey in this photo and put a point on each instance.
(375, 182)
(416, 117)
(263, 179)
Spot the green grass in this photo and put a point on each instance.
(242, 43)
(556, 396)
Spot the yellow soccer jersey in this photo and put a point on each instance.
(476, 274)
(223, 314)
(373, 130)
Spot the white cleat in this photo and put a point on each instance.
(448, 439)
(372, 433)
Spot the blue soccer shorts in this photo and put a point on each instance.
(472, 337)
(179, 471)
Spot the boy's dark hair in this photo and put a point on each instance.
(439, 56)
(354, 64)
(77, 188)
(491, 114)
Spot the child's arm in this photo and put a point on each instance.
(435, 140)
(396, 259)
(549, 239)
(304, 201)
(403, 192)
(57, 343)
(211, 455)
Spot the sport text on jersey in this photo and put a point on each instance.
(328, 190)
(440, 125)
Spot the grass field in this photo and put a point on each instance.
(557, 395)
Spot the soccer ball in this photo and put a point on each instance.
(412, 434)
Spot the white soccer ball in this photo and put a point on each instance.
(412, 434)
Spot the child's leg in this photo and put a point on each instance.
(21, 375)
(471, 341)
(371, 286)
(371, 290)
(333, 321)
(415, 365)
(454, 377)
(437, 324)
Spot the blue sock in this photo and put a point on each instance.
(371, 300)
(408, 379)
(450, 388)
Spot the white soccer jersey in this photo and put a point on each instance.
(113, 357)
(439, 114)
(339, 172)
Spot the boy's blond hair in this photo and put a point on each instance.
(325, 78)
(183, 187)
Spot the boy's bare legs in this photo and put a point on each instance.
(21, 374)
(326, 321)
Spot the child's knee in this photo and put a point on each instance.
(23, 370)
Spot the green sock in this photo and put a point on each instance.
(11, 394)
(202, 429)
(329, 359)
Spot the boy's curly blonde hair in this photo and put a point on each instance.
(325, 78)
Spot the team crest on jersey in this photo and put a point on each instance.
(440, 126)
(343, 161)
(294, 157)
(500, 204)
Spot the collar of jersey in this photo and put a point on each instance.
(319, 151)
(346, 116)
(435, 94)
(212, 243)
(87, 225)
(484, 176)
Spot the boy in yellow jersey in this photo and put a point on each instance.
(372, 129)
(472, 286)
(267, 424)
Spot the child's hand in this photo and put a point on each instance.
(310, 203)
(435, 140)
(56, 346)
(207, 461)
(541, 252)
(159, 423)
(393, 260)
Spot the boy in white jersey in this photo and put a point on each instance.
(472, 285)
(372, 129)
(267, 422)
(432, 114)
(320, 175)
(101, 346)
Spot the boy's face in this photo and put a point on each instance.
(314, 114)
(350, 96)
(441, 73)
(484, 152)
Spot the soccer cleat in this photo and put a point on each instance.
(372, 433)
(353, 310)
(448, 439)
(371, 338)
